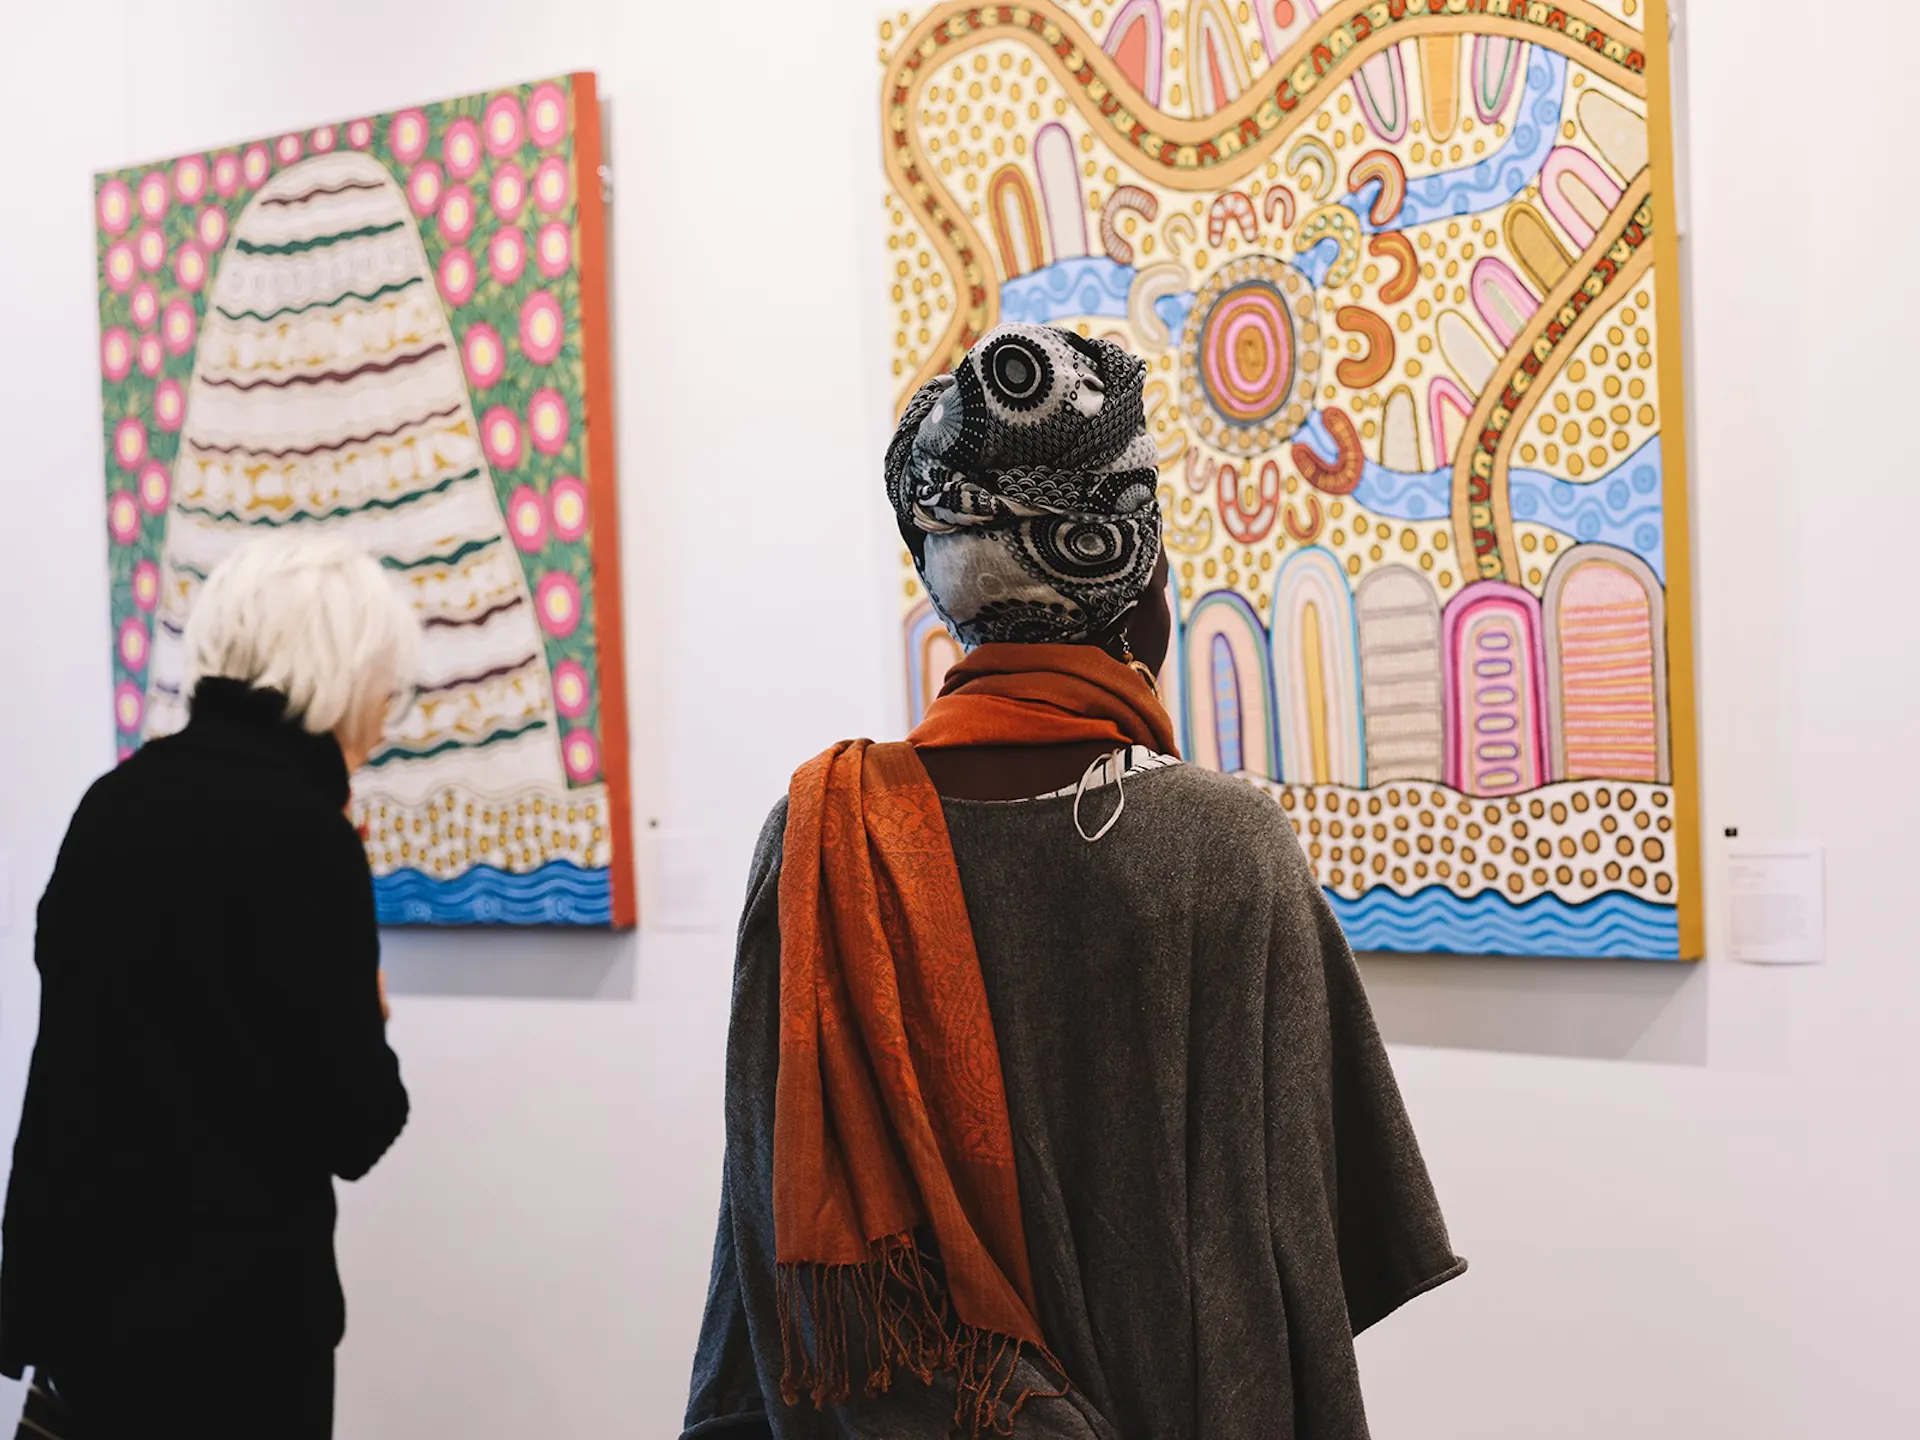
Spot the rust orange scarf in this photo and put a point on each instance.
(890, 1122)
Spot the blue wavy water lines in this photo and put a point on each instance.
(1620, 927)
(1086, 285)
(1622, 507)
(1498, 178)
(1173, 311)
(558, 893)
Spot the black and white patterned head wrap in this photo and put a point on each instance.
(1025, 483)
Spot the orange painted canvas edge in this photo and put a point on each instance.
(603, 490)
(1684, 741)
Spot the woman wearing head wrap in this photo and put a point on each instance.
(1054, 1105)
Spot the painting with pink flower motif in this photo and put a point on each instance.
(394, 329)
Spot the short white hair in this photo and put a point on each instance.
(316, 620)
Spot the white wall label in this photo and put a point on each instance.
(1777, 901)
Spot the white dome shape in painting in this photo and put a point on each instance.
(328, 395)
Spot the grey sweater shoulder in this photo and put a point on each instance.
(1219, 1182)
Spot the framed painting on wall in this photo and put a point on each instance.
(394, 328)
(1404, 275)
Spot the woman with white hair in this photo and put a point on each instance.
(212, 1048)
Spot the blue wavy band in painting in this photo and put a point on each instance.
(1621, 507)
(558, 893)
(1494, 181)
(1085, 286)
(1608, 927)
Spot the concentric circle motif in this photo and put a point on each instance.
(1018, 373)
(1251, 354)
(1082, 551)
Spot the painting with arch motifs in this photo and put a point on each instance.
(1404, 274)
(394, 328)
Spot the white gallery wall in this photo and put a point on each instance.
(1689, 1195)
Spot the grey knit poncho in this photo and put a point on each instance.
(1219, 1184)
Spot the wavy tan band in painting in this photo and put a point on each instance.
(1622, 253)
(1179, 152)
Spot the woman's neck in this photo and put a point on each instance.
(1010, 772)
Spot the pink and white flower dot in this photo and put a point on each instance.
(129, 708)
(457, 276)
(527, 519)
(549, 421)
(424, 188)
(154, 198)
(542, 329)
(485, 355)
(123, 517)
(552, 184)
(190, 268)
(509, 192)
(547, 115)
(507, 255)
(461, 149)
(582, 755)
(407, 134)
(567, 502)
(169, 405)
(155, 488)
(133, 644)
(572, 695)
(504, 126)
(190, 179)
(501, 438)
(129, 443)
(177, 326)
(146, 586)
(121, 267)
(557, 598)
(555, 247)
(116, 354)
(116, 207)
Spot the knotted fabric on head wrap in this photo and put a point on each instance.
(1024, 484)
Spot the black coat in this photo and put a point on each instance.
(211, 1054)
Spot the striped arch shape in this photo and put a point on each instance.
(1217, 69)
(1136, 40)
(1226, 687)
(1316, 667)
(1016, 222)
(1401, 681)
(1606, 639)
(1497, 720)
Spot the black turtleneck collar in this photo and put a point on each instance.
(231, 715)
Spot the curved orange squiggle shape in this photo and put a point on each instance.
(1384, 166)
(1308, 533)
(1181, 221)
(1236, 207)
(1281, 198)
(1362, 372)
(1395, 246)
(1343, 474)
(1128, 197)
(1249, 527)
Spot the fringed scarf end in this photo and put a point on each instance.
(892, 1313)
